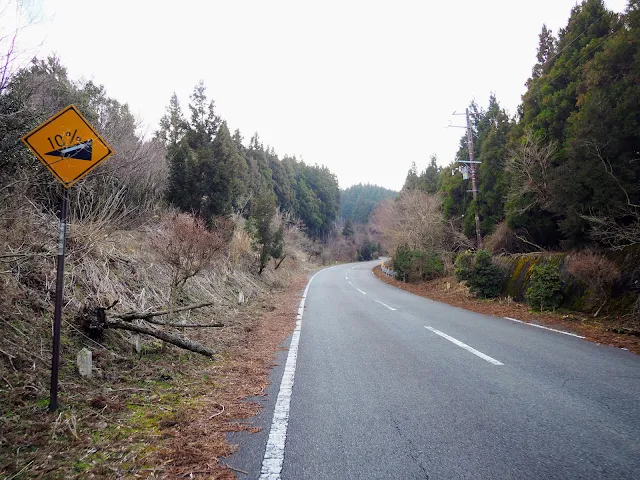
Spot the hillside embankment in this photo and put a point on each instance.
(148, 409)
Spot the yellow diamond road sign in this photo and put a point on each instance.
(68, 146)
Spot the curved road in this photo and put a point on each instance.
(389, 385)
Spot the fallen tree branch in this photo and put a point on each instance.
(16, 257)
(129, 316)
(598, 311)
(186, 325)
(162, 335)
(234, 468)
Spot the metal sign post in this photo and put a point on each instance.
(57, 315)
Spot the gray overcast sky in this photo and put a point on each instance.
(364, 87)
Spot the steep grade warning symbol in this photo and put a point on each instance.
(68, 146)
(81, 151)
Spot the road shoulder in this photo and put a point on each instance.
(236, 400)
(457, 295)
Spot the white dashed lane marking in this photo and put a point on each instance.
(465, 346)
(385, 305)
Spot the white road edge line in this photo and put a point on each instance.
(364, 293)
(546, 328)
(274, 451)
(465, 346)
(385, 305)
(350, 282)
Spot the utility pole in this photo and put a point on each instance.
(472, 168)
(474, 177)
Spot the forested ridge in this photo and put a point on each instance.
(193, 163)
(564, 171)
(212, 172)
(358, 202)
(558, 183)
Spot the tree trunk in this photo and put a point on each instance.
(162, 335)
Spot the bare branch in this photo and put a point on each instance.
(530, 166)
(128, 317)
(596, 151)
(186, 325)
(168, 337)
(9, 55)
(415, 218)
(609, 230)
(524, 240)
(620, 227)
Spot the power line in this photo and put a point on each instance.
(604, 39)
(571, 42)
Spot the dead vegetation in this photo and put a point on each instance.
(139, 281)
(119, 287)
(596, 272)
(197, 442)
(153, 415)
(414, 219)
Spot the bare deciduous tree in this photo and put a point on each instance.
(16, 16)
(530, 167)
(415, 219)
(188, 247)
(618, 229)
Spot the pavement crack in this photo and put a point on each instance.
(411, 449)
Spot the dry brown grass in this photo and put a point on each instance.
(240, 247)
(595, 271)
(502, 240)
(114, 424)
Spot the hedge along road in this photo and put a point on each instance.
(391, 385)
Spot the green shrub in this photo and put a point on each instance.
(485, 279)
(401, 261)
(464, 265)
(429, 266)
(415, 265)
(545, 289)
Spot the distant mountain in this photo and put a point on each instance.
(358, 202)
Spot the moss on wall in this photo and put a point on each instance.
(577, 297)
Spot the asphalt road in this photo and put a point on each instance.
(389, 385)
